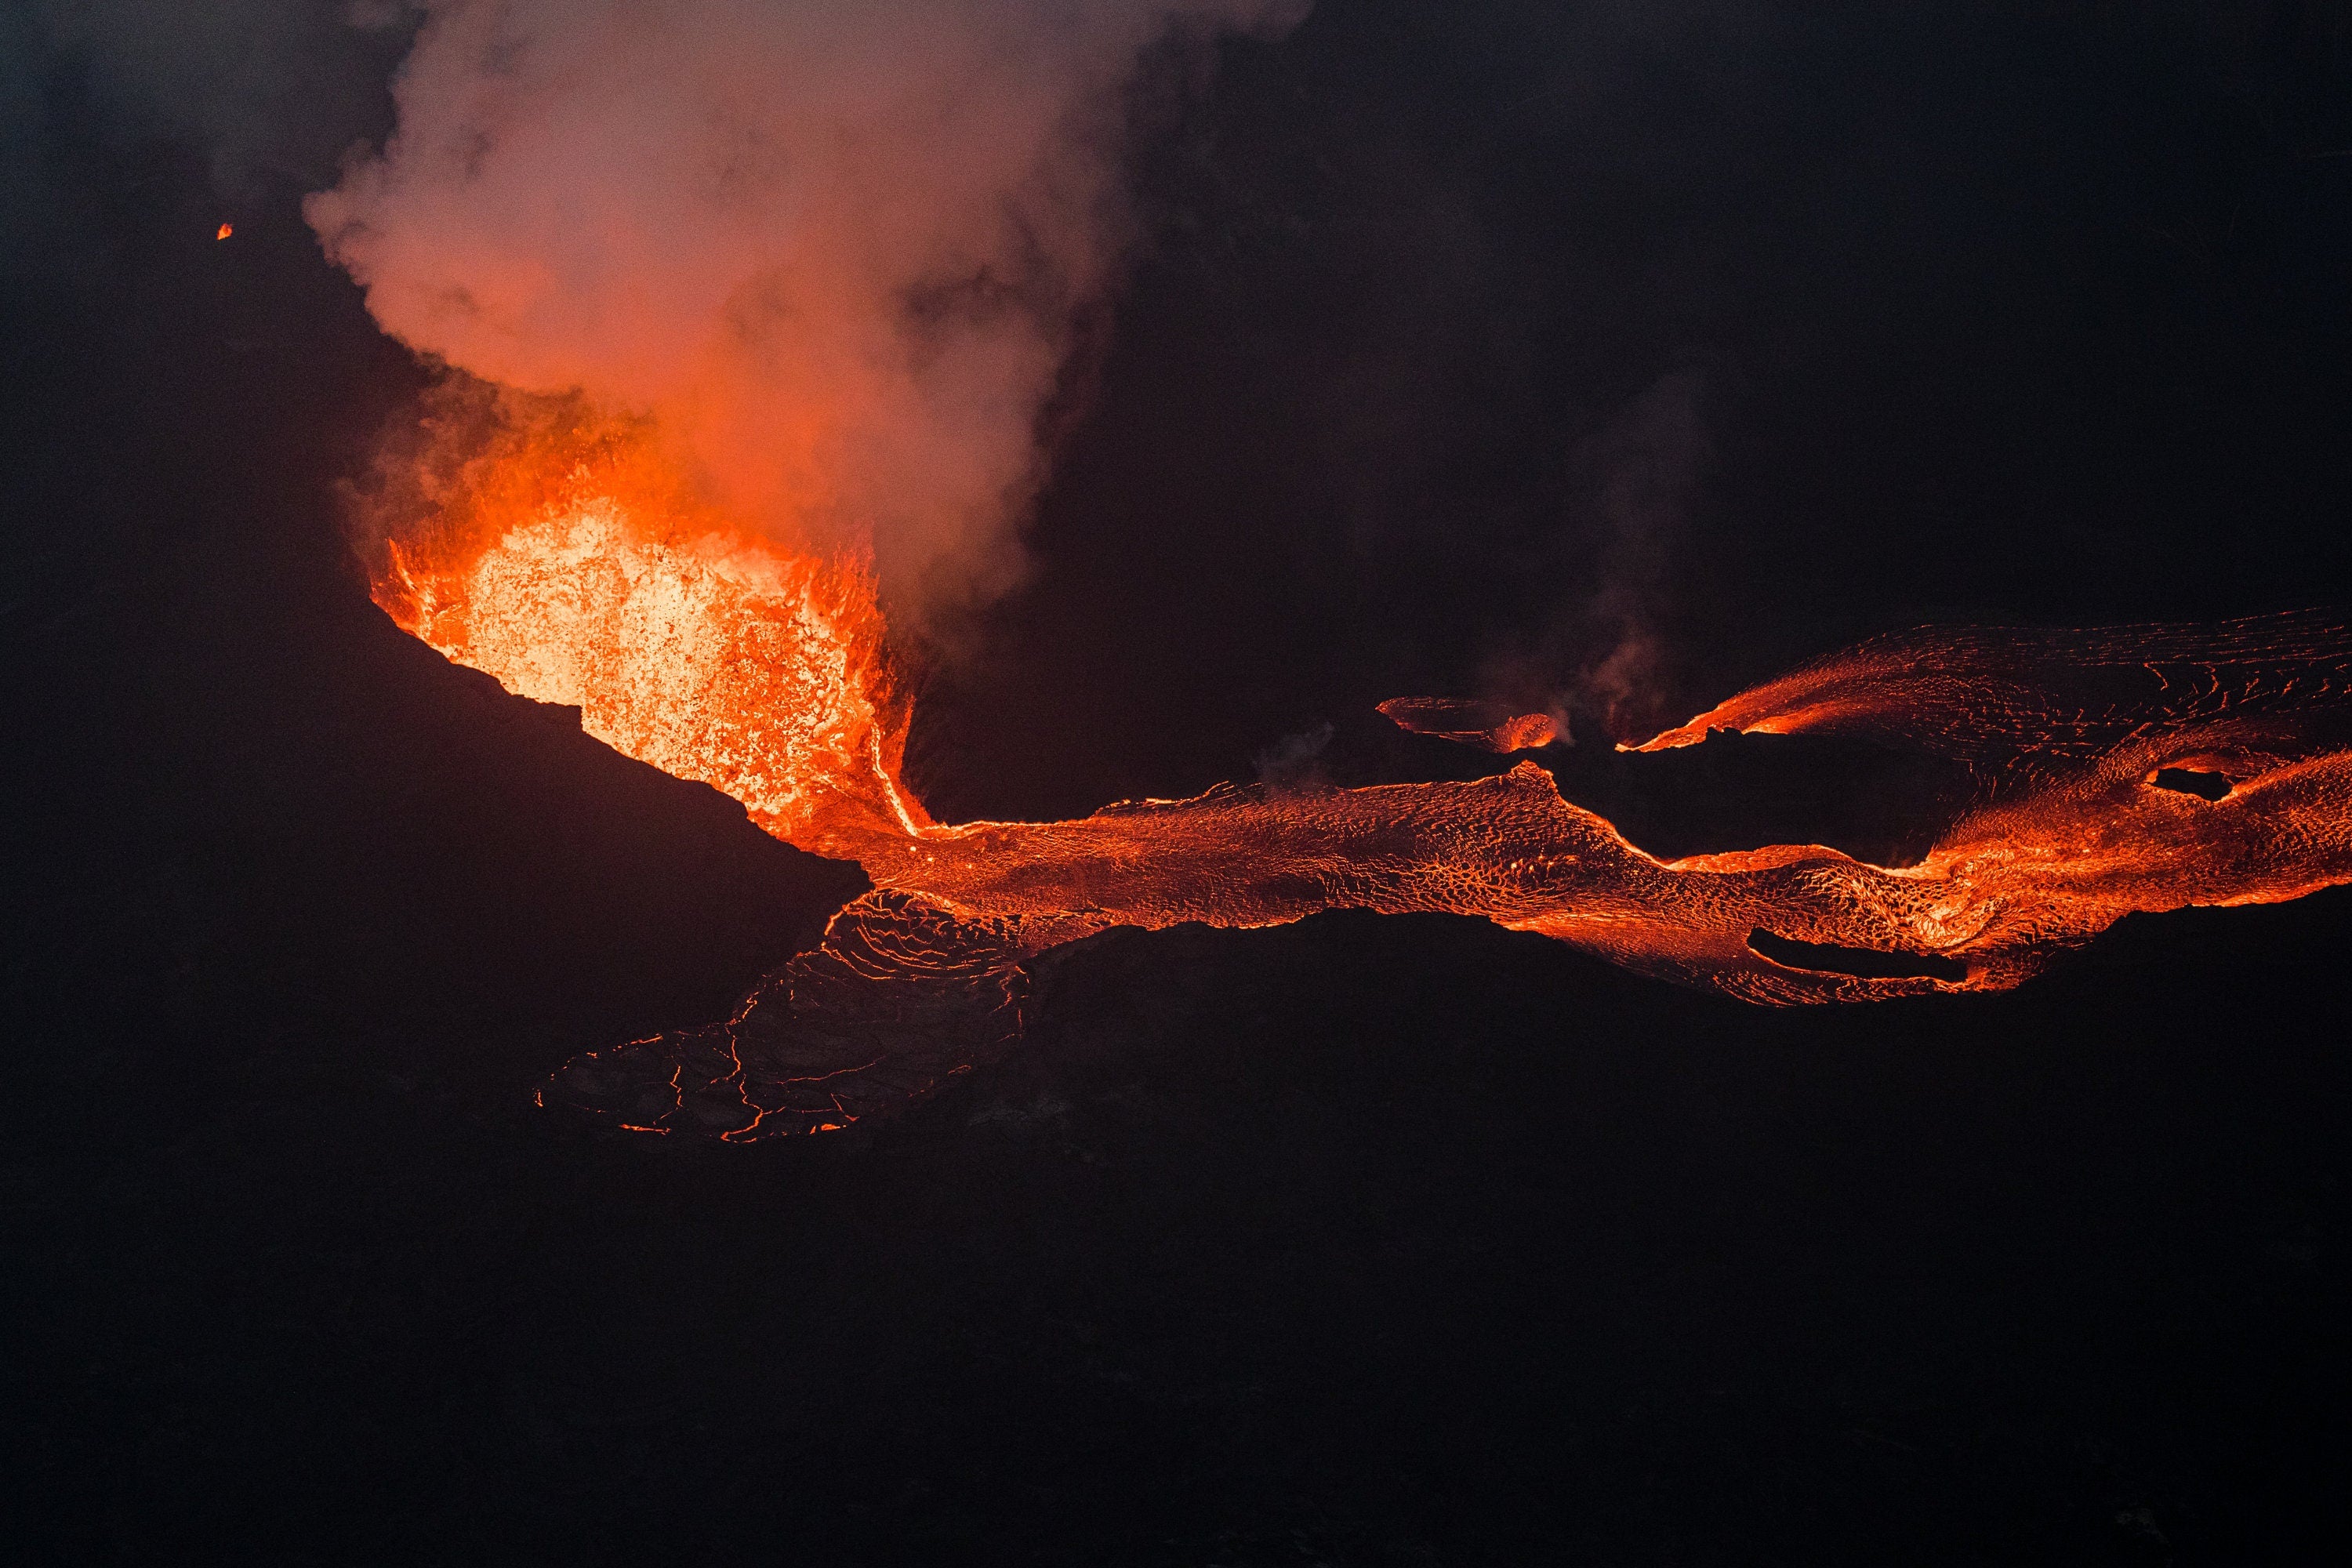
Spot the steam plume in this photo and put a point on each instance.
(838, 251)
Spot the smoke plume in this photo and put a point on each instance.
(1641, 475)
(837, 252)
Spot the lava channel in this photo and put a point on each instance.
(2118, 770)
(2079, 821)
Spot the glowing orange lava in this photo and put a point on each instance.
(2080, 821)
(568, 563)
(2120, 769)
(1488, 726)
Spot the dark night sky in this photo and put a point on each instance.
(1465, 347)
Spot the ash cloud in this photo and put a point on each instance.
(841, 252)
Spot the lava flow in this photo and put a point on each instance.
(2120, 770)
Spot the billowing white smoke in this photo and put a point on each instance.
(838, 249)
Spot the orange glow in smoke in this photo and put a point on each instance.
(224, 232)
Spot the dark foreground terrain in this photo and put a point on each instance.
(1361, 1241)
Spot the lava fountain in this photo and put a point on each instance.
(560, 554)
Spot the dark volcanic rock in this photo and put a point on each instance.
(324, 815)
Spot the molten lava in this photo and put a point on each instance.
(2080, 820)
(1488, 726)
(2120, 770)
(567, 564)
